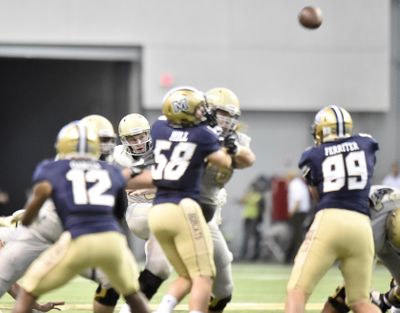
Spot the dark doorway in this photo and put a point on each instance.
(38, 97)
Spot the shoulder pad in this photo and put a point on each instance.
(121, 158)
(364, 135)
(243, 139)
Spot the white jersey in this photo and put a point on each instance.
(213, 195)
(47, 226)
(384, 200)
(139, 201)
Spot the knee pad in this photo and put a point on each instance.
(149, 283)
(218, 305)
(338, 300)
(106, 296)
(223, 283)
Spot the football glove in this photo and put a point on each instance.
(230, 144)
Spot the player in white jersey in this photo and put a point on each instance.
(225, 108)
(225, 111)
(385, 217)
(18, 248)
(134, 133)
(29, 242)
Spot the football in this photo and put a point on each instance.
(310, 17)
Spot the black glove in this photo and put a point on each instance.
(230, 144)
(211, 119)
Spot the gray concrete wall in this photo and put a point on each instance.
(255, 47)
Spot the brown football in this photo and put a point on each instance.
(310, 17)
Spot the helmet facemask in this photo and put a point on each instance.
(137, 144)
(226, 121)
(107, 145)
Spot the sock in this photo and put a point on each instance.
(167, 304)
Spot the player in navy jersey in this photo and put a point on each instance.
(181, 145)
(338, 171)
(89, 196)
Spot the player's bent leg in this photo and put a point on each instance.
(149, 283)
(296, 301)
(200, 293)
(337, 302)
(105, 300)
(24, 302)
(157, 268)
(137, 302)
(223, 282)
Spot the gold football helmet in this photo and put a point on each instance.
(184, 106)
(226, 107)
(77, 139)
(134, 133)
(331, 123)
(105, 131)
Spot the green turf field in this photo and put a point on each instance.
(259, 287)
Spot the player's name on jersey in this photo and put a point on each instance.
(178, 135)
(84, 165)
(343, 147)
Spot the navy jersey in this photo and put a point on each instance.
(180, 159)
(342, 171)
(87, 194)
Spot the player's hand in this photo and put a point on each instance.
(50, 306)
(230, 144)
(211, 119)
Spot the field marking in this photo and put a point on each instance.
(251, 306)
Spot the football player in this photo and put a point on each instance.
(225, 106)
(385, 212)
(29, 242)
(181, 144)
(338, 170)
(89, 196)
(106, 133)
(7, 231)
(134, 133)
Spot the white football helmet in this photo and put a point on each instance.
(134, 133)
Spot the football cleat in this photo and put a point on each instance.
(377, 299)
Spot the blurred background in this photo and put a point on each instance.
(61, 60)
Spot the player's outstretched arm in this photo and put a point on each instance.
(41, 192)
(13, 291)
